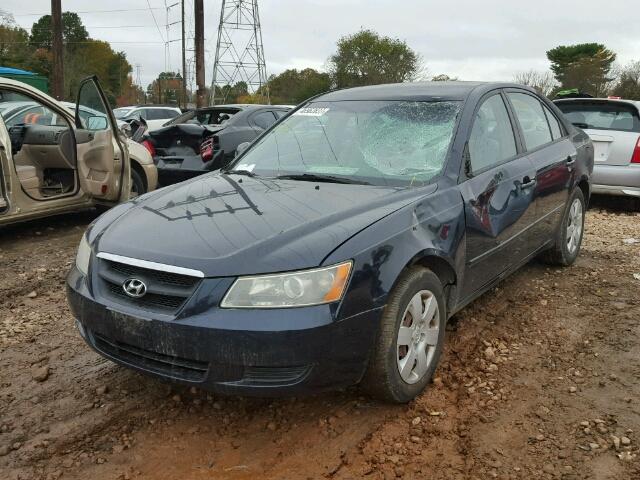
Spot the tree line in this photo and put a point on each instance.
(83, 56)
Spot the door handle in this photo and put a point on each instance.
(571, 159)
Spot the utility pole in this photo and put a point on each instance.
(184, 63)
(57, 84)
(199, 47)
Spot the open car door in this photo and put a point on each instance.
(103, 159)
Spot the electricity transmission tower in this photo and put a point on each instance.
(239, 51)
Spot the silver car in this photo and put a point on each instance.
(614, 128)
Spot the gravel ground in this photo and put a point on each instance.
(540, 379)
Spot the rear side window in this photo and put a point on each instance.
(556, 129)
(169, 113)
(532, 119)
(280, 113)
(157, 114)
(601, 115)
(492, 140)
(264, 120)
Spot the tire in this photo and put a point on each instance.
(383, 378)
(137, 184)
(563, 253)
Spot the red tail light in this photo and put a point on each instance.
(636, 153)
(207, 147)
(149, 146)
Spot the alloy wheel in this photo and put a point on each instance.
(418, 336)
(574, 226)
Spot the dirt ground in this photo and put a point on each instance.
(540, 379)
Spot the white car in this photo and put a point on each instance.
(154, 116)
(613, 125)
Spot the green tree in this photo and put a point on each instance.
(294, 86)
(584, 66)
(367, 58)
(628, 83)
(14, 48)
(73, 31)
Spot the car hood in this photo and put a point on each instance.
(227, 225)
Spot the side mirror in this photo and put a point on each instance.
(240, 149)
(97, 123)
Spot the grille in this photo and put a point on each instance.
(274, 375)
(166, 292)
(169, 366)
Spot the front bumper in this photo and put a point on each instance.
(303, 350)
(616, 180)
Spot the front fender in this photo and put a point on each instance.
(432, 226)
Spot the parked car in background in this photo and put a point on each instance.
(154, 115)
(614, 128)
(336, 247)
(52, 161)
(144, 174)
(206, 139)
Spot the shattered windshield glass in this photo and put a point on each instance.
(377, 142)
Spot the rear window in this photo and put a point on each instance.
(601, 116)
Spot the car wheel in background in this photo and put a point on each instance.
(410, 340)
(137, 185)
(569, 236)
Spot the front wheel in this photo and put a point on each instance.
(568, 238)
(137, 185)
(410, 340)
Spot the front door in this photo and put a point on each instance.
(103, 162)
(498, 196)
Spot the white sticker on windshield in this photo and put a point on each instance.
(312, 111)
(246, 166)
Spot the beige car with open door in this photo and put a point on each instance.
(51, 163)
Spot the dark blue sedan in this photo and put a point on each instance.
(335, 248)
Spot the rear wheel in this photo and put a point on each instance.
(569, 236)
(410, 340)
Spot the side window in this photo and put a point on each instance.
(156, 114)
(169, 113)
(492, 140)
(89, 99)
(556, 130)
(532, 119)
(280, 113)
(264, 120)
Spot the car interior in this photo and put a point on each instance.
(42, 147)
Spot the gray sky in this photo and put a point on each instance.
(470, 39)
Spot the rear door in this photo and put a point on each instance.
(5, 148)
(497, 194)
(614, 127)
(553, 156)
(103, 160)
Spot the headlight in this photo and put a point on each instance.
(83, 256)
(297, 289)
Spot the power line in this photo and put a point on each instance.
(92, 11)
(155, 21)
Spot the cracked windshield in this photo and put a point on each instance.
(371, 142)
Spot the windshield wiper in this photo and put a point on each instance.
(313, 177)
(247, 173)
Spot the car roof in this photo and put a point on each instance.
(413, 91)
